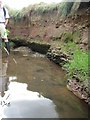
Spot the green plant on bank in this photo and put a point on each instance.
(78, 65)
(69, 47)
(45, 8)
(64, 9)
(68, 36)
(68, 40)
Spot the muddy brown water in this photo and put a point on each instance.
(39, 90)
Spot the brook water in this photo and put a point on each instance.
(38, 90)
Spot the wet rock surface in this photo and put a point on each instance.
(57, 56)
(79, 90)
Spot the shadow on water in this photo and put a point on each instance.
(40, 90)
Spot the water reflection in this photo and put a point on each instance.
(42, 76)
(27, 104)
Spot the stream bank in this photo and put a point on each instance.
(59, 57)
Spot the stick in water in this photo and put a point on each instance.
(15, 61)
(6, 50)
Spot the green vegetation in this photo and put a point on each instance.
(45, 8)
(69, 41)
(63, 9)
(78, 63)
(67, 36)
(39, 9)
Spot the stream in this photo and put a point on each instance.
(37, 89)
